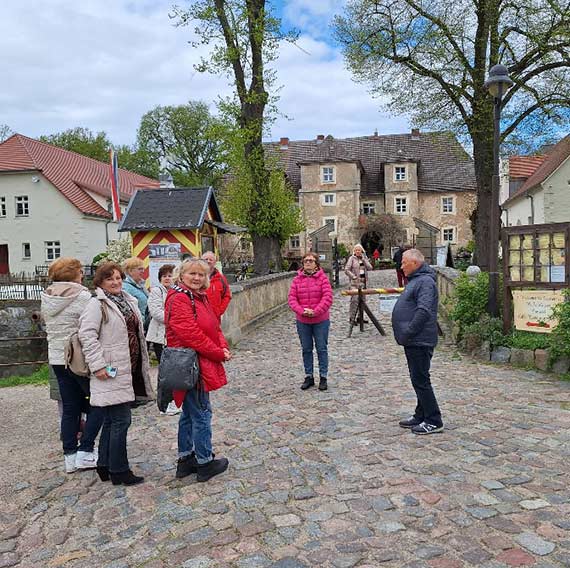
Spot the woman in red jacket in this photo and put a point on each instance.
(310, 297)
(191, 322)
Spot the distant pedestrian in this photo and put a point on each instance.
(62, 304)
(310, 297)
(376, 257)
(356, 268)
(219, 293)
(397, 258)
(414, 321)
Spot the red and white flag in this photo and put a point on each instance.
(114, 173)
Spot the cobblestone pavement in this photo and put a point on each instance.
(315, 478)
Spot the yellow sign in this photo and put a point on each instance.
(533, 309)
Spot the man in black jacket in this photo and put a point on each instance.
(414, 321)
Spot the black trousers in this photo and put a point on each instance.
(419, 361)
(113, 438)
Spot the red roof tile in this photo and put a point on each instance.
(551, 163)
(71, 173)
(524, 166)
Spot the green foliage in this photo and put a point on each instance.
(560, 336)
(485, 329)
(117, 251)
(469, 300)
(39, 377)
(470, 247)
(343, 251)
(528, 340)
(186, 139)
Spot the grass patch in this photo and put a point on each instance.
(40, 377)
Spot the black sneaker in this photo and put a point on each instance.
(410, 422)
(186, 466)
(323, 384)
(427, 428)
(309, 382)
(214, 467)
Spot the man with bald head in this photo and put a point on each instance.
(219, 294)
(414, 321)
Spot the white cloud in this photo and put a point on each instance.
(103, 63)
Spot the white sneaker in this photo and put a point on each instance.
(70, 460)
(172, 409)
(86, 460)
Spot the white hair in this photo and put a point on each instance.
(358, 246)
(414, 254)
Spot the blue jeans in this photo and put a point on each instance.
(419, 361)
(319, 334)
(74, 393)
(113, 439)
(195, 426)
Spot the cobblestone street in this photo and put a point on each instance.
(315, 478)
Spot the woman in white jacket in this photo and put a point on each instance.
(156, 334)
(112, 338)
(62, 304)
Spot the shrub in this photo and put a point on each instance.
(469, 300)
(560, 336)
(486, 329)
(528, 340)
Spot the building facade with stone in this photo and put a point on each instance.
(417, 176)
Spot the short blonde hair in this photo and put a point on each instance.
(132, 263)
(186, 265)
(64, 269)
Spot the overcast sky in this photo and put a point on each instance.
(103, 63)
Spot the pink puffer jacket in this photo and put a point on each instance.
(312, 292)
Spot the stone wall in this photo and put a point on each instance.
(23, 347)
(255, 301)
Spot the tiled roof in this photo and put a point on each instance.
(524, 166)
(443, 164)
(553, 160)
(71, 173)
(179, 208)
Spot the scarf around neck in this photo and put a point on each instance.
(121, 302)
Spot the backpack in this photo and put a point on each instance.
(73, 354)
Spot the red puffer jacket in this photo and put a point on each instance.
(201, 333)
(311, 291)
(219, 293)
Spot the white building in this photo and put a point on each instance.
(55, 203)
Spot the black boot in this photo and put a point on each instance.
(214, 467)
(186, 466)
(103, 472)
(323, 384)
(309, 382)
(125, 478)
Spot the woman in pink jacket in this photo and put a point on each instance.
(310, 297)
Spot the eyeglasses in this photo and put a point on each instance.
(307, 260)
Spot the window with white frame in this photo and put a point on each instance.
(2, 207)
(448, 204)
(330, 220)
(369, 208)
(26, 251)
(327, 174)
(22, 206)
(53, 250)
(448, 234)
(295, 242)
(401, 205)
(400, 173)
(329, 199)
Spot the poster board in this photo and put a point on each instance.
(386, 302)
(159, 255)
(533, 309)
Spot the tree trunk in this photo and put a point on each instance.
(266, 254)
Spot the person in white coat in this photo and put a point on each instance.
(112, 338)
(61, 305)
(156, 334)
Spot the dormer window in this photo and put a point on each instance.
(400, 173)
(327, 174)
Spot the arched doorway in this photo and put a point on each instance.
(371, 241)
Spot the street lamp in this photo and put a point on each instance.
(498, 83)
(336, 268)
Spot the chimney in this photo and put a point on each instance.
(320, 138)
(166, 181)
(284, 143)
(415, 133)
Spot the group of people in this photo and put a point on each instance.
(185, 310)
(414, 322)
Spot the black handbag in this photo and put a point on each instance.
(179, 368)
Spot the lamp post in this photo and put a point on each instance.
(336, 269)
(498, 83)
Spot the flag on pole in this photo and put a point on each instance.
(114, 173)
